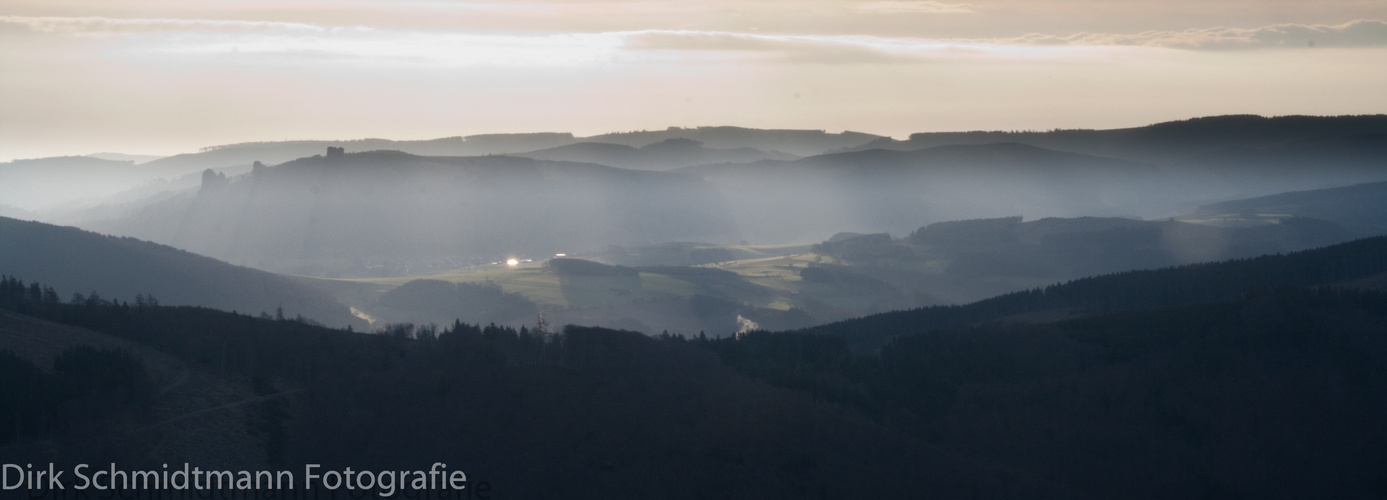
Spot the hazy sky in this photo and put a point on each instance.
(168, 76)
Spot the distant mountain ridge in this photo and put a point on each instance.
(1342, 150)
(50, 182)
(1166, 141)
(895, 190)
(795, 142)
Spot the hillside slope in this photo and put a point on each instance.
(1133, 290)
(77, 261)
(1361, 207)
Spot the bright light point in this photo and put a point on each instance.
(561, 255)
(512, 262)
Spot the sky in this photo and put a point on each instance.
(171, 76)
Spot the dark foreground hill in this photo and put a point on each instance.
(1274, 394)
(74, 261)
(589, 413)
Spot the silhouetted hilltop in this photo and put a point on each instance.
(80, 262)
(394, 205)
(1174, 141)
(665, 155)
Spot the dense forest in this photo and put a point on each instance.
(1274, 395)
(588, 413)
(1243, 379)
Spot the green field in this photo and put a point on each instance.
(767, 277)
(531, 280)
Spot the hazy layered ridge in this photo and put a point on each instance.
(57, 185)
(48, 183)
(664, 155)
(891, 191)
(391, 204)
(76, 261)
(894, 191)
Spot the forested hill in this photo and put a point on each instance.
(1279, 394)
(1191, 284)
(1150, 404)
(587, 413)
(81, 262)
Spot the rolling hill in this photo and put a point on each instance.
(48, 183)
(1133, 290)
(76, 261)
(896, 191)
(1360, 207)
(343, 212)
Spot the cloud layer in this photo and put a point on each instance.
(1359, 33)
(166, 84)
(454, 48)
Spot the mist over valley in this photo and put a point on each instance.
(1062, 314)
